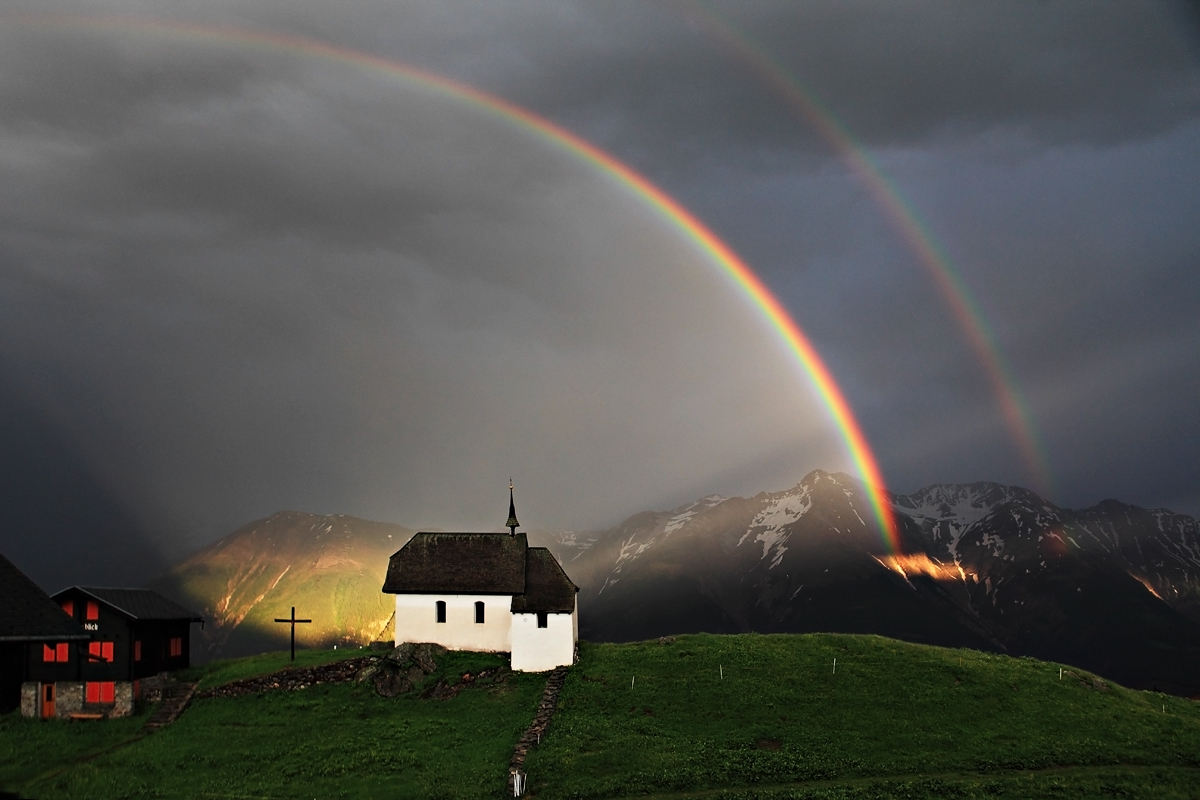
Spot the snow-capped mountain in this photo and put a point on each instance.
(1112, 588)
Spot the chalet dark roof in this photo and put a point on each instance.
(547, 587)
(142, 604)
(459, 563)
(27, 614)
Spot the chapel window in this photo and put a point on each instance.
(441, 610)
(479, 612)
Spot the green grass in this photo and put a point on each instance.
(895, 721)
(654, 719)
(326, 741)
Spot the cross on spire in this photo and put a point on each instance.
(512, 512)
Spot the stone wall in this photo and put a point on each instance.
(69, 699)
(30, 694)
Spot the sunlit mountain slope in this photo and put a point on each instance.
(330, 568)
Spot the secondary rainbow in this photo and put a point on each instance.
(907, 222)
(732, 266)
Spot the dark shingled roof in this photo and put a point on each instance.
(458, 563)
(138, 603)
(27, 614)
(547, 587)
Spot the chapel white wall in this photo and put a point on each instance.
(416, 621)
(537, 649)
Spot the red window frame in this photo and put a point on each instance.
(100, 692)
(57, 652)
(93, 610)
(102, 650)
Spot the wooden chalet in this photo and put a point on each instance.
(39, 644)
(135, 634)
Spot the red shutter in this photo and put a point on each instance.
(106, 651)
(176, 645)
(93, 609)
(94, 650)
(107, 692)
(93, 692)
(48, 653)
(69, 607)
(64, 653)
(137, 649)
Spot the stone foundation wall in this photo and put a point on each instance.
(123, 694)
(30, 694)
(69, 699)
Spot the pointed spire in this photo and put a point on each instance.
(512, 512)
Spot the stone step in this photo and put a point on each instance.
(175, 701)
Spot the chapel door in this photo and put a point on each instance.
(47, 701)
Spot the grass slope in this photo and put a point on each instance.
(896, 721)
(326, 741)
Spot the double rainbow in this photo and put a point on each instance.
(907, 222)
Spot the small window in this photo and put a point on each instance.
(100, 651)
(100, 692)
(176, 646)
(55, 653)
(69, 607)
(137, 649)
(93, 609)
(478, 612)
(543, 619)
(441, 610)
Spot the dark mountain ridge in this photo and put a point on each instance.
(1112, 588)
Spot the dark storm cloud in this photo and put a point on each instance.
(322, 288)
(235, 279)
(691, 75)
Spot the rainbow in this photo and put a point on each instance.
(907, 221)
(749, 284)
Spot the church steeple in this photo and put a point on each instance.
(512, 512)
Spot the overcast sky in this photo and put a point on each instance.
(237, 278)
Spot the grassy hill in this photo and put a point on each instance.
(742, 717)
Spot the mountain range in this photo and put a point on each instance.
(1113, 588)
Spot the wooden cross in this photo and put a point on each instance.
(294, 622)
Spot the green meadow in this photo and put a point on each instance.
(736, 717)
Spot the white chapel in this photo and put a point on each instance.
(487, 592)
